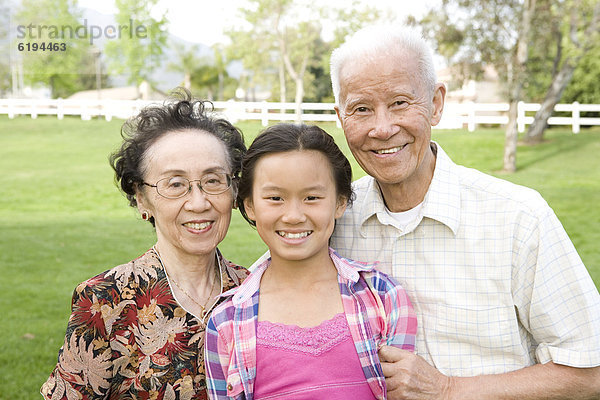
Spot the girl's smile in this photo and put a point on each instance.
(295, 208)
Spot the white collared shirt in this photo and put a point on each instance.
(495, 280)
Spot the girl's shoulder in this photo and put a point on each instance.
(223, 311)
(229, 310)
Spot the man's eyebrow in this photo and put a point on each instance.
(354, 101)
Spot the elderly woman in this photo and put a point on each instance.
(137, 330)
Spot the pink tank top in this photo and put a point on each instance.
(319, 362)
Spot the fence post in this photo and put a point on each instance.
(60, 112)
(264, 113)
(138, 106)
(575, 117)
(11, 109)
(471, 116)
(33, 111)
(107, 107)
(521, 117)
(85, 114)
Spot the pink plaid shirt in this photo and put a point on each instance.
(377, 309)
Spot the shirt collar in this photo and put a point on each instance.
(441, 203)
(372, 204)
(347, 270)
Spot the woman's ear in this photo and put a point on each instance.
(340, 207)
(249, 207)
(140, 199)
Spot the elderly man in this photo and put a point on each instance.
(506, 308)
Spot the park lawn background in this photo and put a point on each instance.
(62, 219)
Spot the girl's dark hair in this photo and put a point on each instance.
(179, 112)
(289, 137)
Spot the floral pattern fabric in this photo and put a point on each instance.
(128, 338)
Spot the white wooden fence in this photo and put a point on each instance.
(456, 115)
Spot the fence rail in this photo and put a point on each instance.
(456, 115)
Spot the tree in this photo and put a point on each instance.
(523, 40)
(349, 19)
(584, 86)
(187, 60)
(293, 45)
(256, 47)
(282, 49)
(272, 40)
(50, 22)
(471, 34)
(223, 76)
(138, 51)
(516, 80)
(346, 21)
(278, 38)
(5, 48)
(317, 80)
(579, 33)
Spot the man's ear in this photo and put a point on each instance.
(337, 111)
(439, 97)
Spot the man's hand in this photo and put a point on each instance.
(408, 376)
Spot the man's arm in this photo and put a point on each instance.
(409, 376)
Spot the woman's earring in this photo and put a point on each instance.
(145, 216)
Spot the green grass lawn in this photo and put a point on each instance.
(62, 220)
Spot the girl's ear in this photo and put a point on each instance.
(234, 192)
(340, 207)
(249, 207)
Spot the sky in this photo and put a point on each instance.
(204, 21)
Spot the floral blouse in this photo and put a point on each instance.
(128, 338)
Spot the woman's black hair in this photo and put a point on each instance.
(289, 137)
(178, 113)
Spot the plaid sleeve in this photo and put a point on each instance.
(216, 360)
(401, 319)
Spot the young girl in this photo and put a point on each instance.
(307, 323)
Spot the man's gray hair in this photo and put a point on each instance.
(383, 40)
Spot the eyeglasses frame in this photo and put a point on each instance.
(230, 180)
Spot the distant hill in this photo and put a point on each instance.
(163, 78)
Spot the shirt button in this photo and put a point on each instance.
(230, 387)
